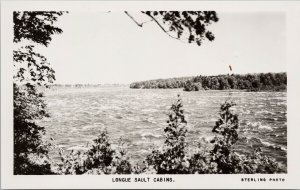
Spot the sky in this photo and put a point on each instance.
(101, 48)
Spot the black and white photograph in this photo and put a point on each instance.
(134, 92)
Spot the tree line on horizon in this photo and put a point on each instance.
(249, 82)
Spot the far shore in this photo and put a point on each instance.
(82, 86)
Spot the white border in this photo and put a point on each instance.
(8, 180)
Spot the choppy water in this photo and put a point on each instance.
(139, 115)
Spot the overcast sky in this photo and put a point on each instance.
(98, 47)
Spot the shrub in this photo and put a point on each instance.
(101, 158)
(226, 126)
(200, 161)
(120, 161)
(259, 163)
(171, 159)
(229, 161)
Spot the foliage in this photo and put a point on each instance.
(31, 67)
(259, 163)
(200, 161)
(190, 86)
(100, 158)
(36, 25)
(31, 70)
(250, 82)
(187, 26)
(226, 126)
(172, 159)
(228, 161)
(28, 145)
(161, 83)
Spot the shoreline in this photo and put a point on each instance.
(127, 87)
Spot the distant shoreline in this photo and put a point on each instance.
(52, 87)
(248, 82)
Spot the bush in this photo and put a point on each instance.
(259, 163)
(226, 126)
(99, 159)
(172, 159)
(229, 161)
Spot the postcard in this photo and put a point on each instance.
(150, 94)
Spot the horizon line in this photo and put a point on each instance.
(123, 84)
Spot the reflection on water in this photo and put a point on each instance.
(139, 115)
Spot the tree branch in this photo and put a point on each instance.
(153, 19)
(163, 29)
(136, 22)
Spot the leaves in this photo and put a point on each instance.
(31, 67)
(36, 26)
(28, 106)
(172, 159)
(187, 26)
(100, 158)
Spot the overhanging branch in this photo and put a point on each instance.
(163, 29)
(132, 18)
(140, 24)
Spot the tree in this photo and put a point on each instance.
(223, 154)
(215, 85)
(31, 67)
(190, 86)
(256, 84)
(36, 26)
(223, 83)
(31, 70)
(226, 126)
(172, 159)
(232, 82)
(186, 26)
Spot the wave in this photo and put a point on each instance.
(78, 148)
(264, 112)
(207, 139)
(274, 146)
(133, 118)
(86, 127)
(119, 117)
(150, 135)
(245, 112)
(258, 141)
(258, 125)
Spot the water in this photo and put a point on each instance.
(139, 116)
